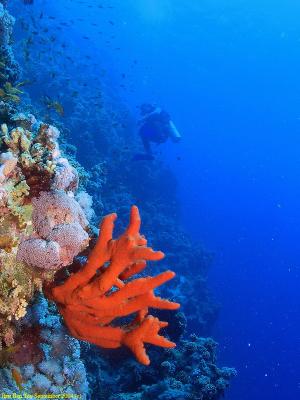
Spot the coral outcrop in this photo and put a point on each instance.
(102, 291)
(47, 360)
(60, 226)
(188, 372)
(42, 227)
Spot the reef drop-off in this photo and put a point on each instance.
(47, 235)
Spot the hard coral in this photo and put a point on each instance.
(59, 232)
(8, 92)
(37, 156)
(41, 228)
(47, 359)
(55, 208)
(189, 372)
(91, 299)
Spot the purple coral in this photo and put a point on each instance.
(55, 208)
(60, 224)
(39, 253)
(71, 238)
(66, 177)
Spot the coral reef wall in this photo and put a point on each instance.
(42, 229)
(48, 227)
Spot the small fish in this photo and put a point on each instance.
(17, 377)
(111, 22)
(58, 108)
(28, 2)
(55, 105)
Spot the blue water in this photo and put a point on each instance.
(228, 73)
(229, 76)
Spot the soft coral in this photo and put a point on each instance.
(90, 299)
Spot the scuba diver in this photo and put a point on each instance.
(155, 126)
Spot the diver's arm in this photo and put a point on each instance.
(156, 111)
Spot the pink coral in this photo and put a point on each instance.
(59, 232)
(70, 237)
(66, 177)
(55, 208)
(86, 203)
(39, 253)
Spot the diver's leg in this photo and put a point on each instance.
(147, 146)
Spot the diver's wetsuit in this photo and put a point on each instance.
(154, 128)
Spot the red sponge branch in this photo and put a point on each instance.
(105, 289)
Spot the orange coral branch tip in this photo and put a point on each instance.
(147, 332)
(134, 222)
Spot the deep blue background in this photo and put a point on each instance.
(228, 72)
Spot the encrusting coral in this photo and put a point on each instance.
(102, 291)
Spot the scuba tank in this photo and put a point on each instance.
(174, 134)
